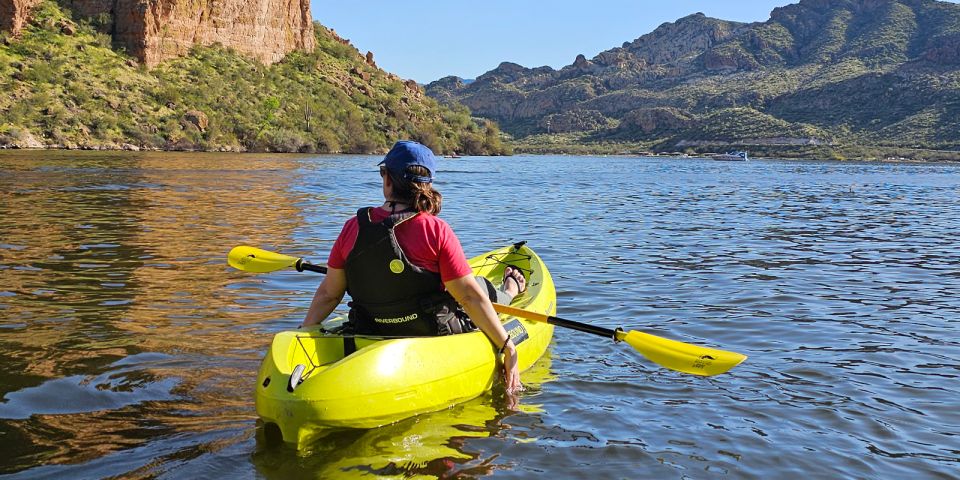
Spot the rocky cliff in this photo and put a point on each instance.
(157, 30)
(14, 13)
(871, 71)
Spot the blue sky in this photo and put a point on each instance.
(426, 40)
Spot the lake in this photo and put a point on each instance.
(130, 348)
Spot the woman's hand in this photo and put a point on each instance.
(477, 304)
(511, 371)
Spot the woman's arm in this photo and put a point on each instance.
(328, 296)
(477, 304)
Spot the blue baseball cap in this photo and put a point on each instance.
(406, 153)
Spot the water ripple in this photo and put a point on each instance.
(837, 279)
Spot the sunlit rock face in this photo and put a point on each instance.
(156, 30)
(13, 14)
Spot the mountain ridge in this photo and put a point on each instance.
(842, 72)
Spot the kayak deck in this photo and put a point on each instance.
(388, 379)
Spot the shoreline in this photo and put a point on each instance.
(130, 148)
(850, 153)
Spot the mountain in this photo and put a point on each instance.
(882, 73)
(112, 74)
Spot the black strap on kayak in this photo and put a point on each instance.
(349, 345)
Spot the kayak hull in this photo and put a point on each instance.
(388, 379)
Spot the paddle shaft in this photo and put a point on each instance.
(506, 309)
(671, 354)
(560, 322)
(301, 266)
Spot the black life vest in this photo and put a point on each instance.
(390, 295)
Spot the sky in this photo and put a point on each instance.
(427, 40)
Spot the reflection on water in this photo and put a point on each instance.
(433, 444)
(115, 301)
(129, 347)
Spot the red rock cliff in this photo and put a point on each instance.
(155, 30)
(13, 14)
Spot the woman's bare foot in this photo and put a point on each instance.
(513, 281)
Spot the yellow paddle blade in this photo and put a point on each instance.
(682, 357)
(251, 259)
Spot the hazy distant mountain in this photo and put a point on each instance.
(873, 72)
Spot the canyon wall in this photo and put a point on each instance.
(13, 14)
(155, 30)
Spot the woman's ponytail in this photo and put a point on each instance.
(421, 196)
(427, 199)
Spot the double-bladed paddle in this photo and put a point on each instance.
(679, 356)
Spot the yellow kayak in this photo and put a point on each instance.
(307, 386)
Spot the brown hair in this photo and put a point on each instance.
(421, 196)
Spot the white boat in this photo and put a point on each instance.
(737, 156)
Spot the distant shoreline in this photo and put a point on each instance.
(819, 152)
(931, 156)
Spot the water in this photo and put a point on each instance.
(130, 348)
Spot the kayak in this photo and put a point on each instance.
(406, 447)
(307, 386)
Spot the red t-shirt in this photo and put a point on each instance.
(426, 240)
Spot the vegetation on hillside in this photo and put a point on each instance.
(66, 86)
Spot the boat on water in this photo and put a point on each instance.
(308, 386)
(409, 443)
(735, 156)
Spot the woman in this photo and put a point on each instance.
(405, 269)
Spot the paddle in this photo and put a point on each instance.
(679, 356)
